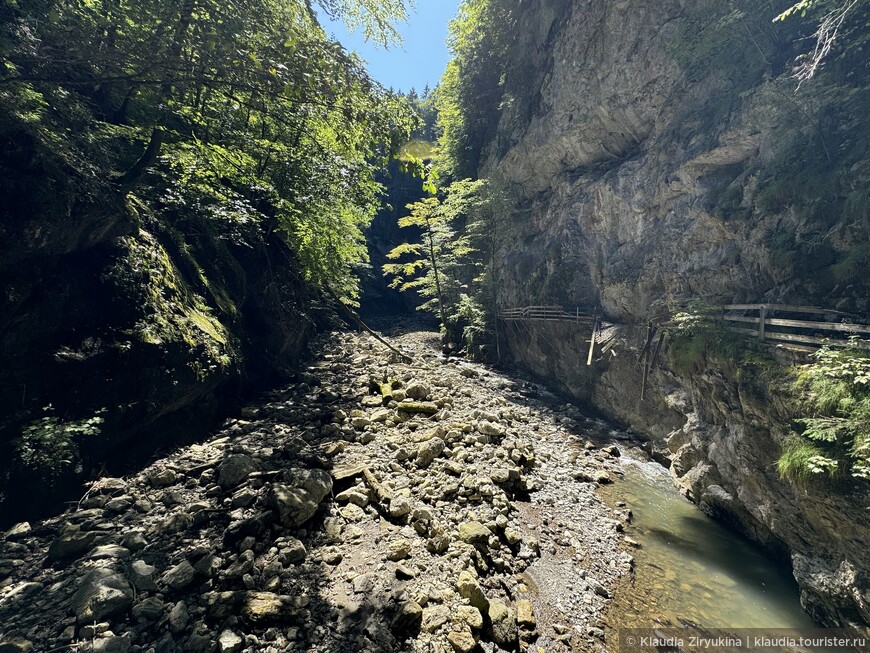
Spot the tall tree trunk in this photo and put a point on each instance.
(437, 275)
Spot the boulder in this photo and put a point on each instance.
(470, 590)
(503, 624)
(235, 469)
(102, 593)
(429, 451)
(71, 543)
(230, 642)
(180, 576)
(473, 532)
(296, 502)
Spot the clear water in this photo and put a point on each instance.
(691, 570)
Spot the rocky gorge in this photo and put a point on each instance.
(382, 504)
(652, 153)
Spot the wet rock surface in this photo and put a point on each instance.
(330, 518)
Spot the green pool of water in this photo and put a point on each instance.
(691, 570)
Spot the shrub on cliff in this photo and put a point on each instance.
(835, 436)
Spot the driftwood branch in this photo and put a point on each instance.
(365, 327)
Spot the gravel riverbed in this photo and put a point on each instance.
(374, 505)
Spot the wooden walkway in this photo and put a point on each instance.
(548, 314)
(784, 326)
(603, 333)
(800, 328)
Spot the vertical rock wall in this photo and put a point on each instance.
(655, 164)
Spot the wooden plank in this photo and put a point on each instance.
(788, 308)
(741, 318)
(650, 334)
(592, 344)
(794, 337)
(821, 326)
(802, 324)
(658, 348)
(806, 349)
(643, 383)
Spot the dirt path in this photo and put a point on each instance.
(455, 513)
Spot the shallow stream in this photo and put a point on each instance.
(692, 570)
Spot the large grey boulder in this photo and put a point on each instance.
(296, 501)
(102, 593)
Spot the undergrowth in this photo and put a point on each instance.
(698, 338)
(832, 438)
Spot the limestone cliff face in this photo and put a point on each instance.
(653, 157)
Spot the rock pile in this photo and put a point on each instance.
(373, 506)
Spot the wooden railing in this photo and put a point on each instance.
(547, 313)
(776, 323)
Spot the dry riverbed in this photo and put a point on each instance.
(375, 505)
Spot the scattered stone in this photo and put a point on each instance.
(112, 644)
(526, 614)
(235, 469)
(469, 615)
(258, 608)
(149, 609)
(352, 513)
(399, 507)
(297, 501)
(230, 642)
(16, 646)
(109, 552)
(243, 564)
(462, 641)
(71, 543)
(474, 533)
(142, 575)
(408, 616)
(18, 531)
(470, 589)
(102, 593)
(503, 623)
(429, 451)
(364, 583)
(180, 576)
(163, 477)
(134, 541)
(398, 550)
(597, 587)
(178, 617)
(418, 390)
(293, 552)
(603, 478)
(491, 429)
(435, 617)
(332, 555)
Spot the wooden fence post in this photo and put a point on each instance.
(592, 342)
(762, 313)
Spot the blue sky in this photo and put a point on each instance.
(422, 57)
